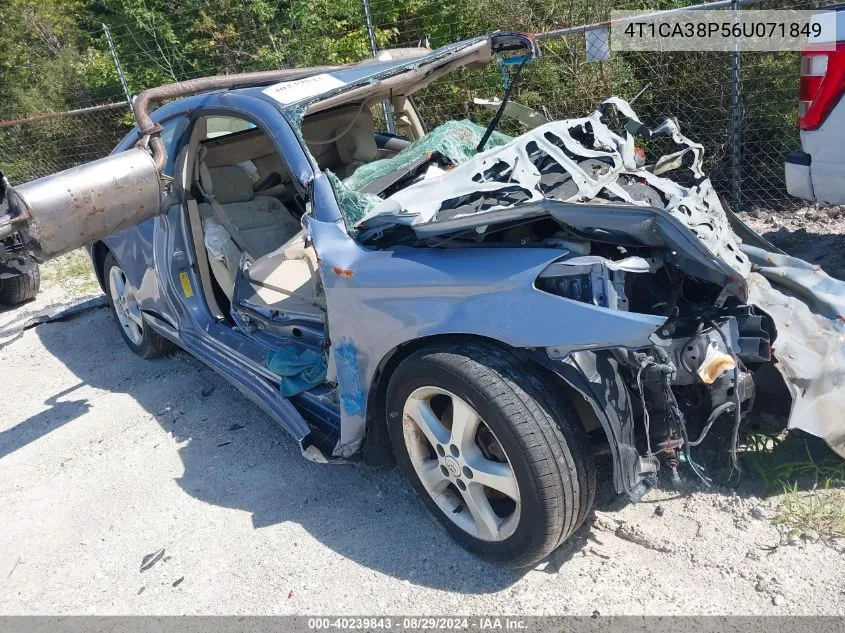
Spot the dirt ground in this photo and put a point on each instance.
(153, 487)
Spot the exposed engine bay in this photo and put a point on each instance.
(748, 333)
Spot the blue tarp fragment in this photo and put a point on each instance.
(301, 368)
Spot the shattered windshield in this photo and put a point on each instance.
(454, 142)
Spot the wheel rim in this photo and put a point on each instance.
(461, 464)
(126, 306)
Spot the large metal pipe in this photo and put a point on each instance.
(59, 213)
(150, 131)
(65, 211)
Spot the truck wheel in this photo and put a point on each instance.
(138, 335)
(15, 290)
(499, 460)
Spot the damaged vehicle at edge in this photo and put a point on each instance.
(473, 306)
(20, 277)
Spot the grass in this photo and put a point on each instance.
(809, 476)
(820, 512)
(73, 272)
(781, 460)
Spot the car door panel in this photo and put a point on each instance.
(278, 297)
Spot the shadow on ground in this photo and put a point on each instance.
(234, 456)
(61, 412)
(825, 250)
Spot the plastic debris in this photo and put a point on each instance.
(217, 241)
(151, 559)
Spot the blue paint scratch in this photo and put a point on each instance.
(349, 386)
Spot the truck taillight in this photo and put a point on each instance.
(821, 86)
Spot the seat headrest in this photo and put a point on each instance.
(230, 184)
(358, 145)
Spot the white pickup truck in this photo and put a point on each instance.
(817, 172)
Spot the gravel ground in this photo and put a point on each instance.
(153, 487)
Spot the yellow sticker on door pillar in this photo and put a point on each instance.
(186, 284)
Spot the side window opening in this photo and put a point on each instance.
(170, 133)
(217, 126)
(247, 204)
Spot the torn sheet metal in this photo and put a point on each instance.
(574, 160)
(588, 177)
(25, 318)
(808, 307)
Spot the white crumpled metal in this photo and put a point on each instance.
(697, 207)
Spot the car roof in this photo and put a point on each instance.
(290, 94)
(393, 72)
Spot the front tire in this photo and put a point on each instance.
(136, 333)
(499, 459)
(23, 287)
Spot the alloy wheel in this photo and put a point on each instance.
(461, 463)
(126, 306)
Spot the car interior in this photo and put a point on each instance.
(242, 204)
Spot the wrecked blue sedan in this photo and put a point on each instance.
(485, 310)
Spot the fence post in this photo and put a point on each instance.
(736, 121)
(117, 66)
(371, 34)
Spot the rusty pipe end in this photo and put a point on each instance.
(150, 131)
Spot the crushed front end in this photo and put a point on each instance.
(747, 333)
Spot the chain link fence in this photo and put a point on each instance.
(56, 141)
(742, 108)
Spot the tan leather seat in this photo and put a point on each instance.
(263, 223)
(341, 140)
(357, 147)
(287, 283)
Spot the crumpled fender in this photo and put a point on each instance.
(808, 308)
(405, 294)
(596, 376)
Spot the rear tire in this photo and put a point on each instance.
(15, 290)
(524, 430)
(136, 332)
